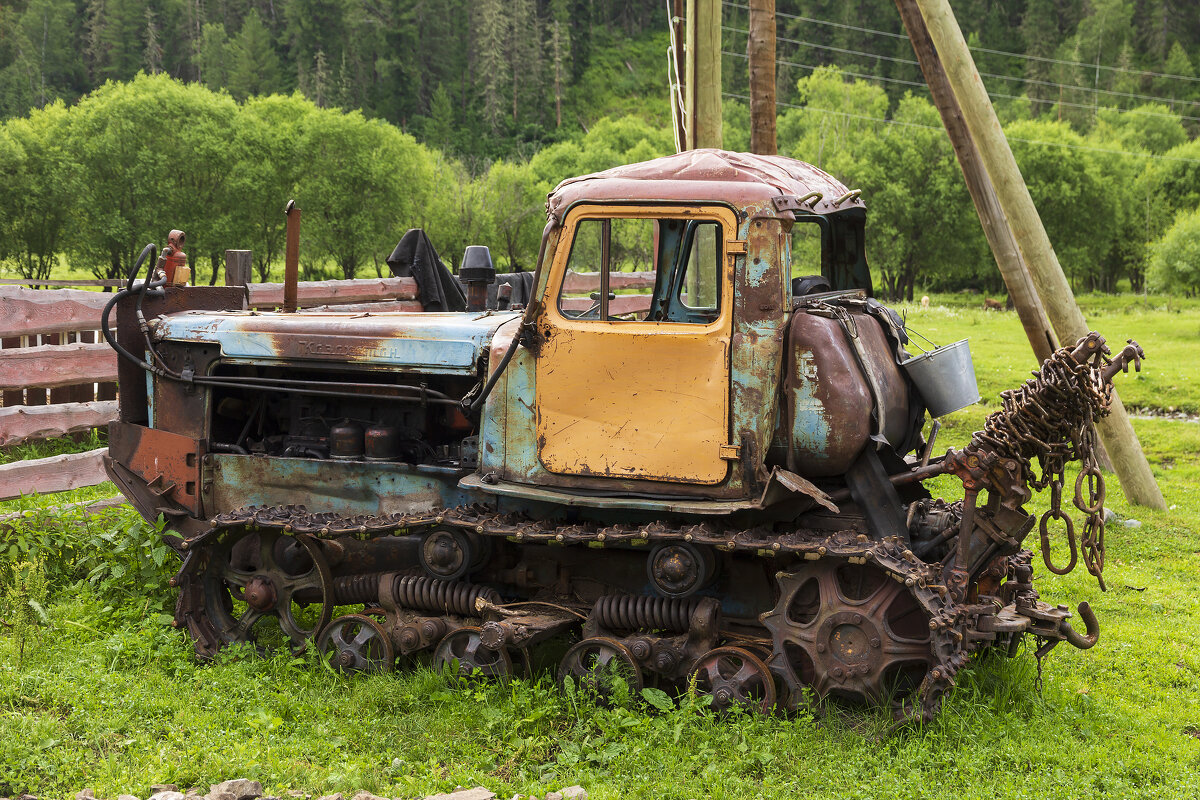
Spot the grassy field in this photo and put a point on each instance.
(108, 696)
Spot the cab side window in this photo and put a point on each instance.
(641, 268)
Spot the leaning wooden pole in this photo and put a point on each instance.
(1129, 462)
(760, 50)
(1004, 247)
(703, 80)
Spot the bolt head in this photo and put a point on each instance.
(875, 642)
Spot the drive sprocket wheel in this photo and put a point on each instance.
(734, 676)
(357, 643)
(263, 574)
(851, 631)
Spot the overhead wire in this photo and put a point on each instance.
(997, 76)
(994, 95)
(1026, 56)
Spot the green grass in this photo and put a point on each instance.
(110, 697)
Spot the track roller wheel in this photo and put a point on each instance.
(356, 643)
(598, 663)
(474, 659)
(734, 676)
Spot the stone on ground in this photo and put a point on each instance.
(477, 793)
(240, 788)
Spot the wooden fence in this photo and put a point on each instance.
(58, 376)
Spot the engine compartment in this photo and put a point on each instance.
(390, 420)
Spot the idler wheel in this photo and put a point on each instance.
(733, 676)
(680, 569)
(448, 554)
(464, 648)
(250, 577)
(356, 643)
(849, 630)
(601, 663)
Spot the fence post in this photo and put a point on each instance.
(238, 265)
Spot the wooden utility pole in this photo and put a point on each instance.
(1129, 462)
(1004, 247)
(760, 49)
(703, 81)
(679, 60)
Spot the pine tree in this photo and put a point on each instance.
(254, 64)
(439, 128)
(320, 80)
(490, 41)
(212, 56)
(153, 52)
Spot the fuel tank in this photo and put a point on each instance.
(842, 388)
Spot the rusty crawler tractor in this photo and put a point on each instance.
(721, 480)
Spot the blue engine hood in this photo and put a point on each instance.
(443, 342)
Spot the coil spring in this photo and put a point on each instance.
(449, 597)
(631, 612)
(351, 589)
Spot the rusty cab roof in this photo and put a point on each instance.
(737, 179)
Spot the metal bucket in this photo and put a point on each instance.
(945, 378)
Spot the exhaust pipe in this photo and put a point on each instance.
(291, 259)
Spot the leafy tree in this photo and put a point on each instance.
(153, 155)
(920, 221)
(835, 114)
(514, 212)
(1150, 127)
(40, 187)
(1077, 205)
(362, 181)
(267, 163)
(1166, 187)
(1175, 259)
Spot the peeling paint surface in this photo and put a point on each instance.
(447, 343)
(342, 487)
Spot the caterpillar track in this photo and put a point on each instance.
(873, 597)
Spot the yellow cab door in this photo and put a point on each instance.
(632, 380)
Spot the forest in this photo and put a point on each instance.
(125, 118)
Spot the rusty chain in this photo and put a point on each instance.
(1051, 417)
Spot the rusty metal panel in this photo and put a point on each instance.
(167, 463)
(758, 332)
(635, 399)
(345, 488)
(437, 342)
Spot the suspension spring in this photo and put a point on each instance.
(351, 589)
(449, 597)
(632, 612)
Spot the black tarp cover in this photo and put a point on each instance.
(415, 257)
